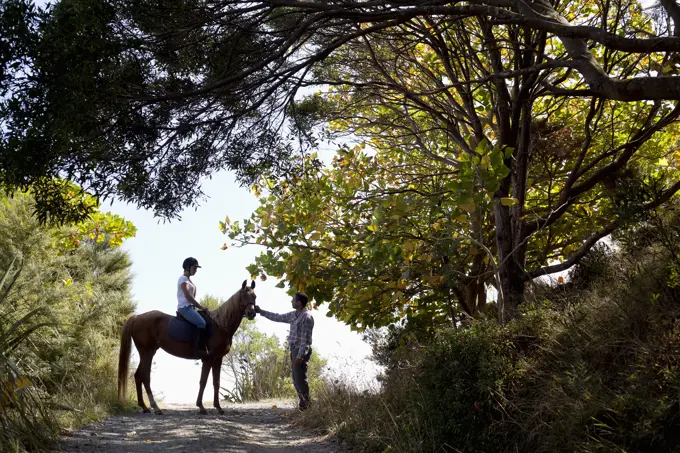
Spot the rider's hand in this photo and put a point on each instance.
(257, 309)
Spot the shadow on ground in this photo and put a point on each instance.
(248, 428)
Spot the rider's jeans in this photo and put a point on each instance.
(192, 316)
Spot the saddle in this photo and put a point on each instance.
(179, 329)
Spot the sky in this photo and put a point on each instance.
(157, 253)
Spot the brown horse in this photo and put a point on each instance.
(150, 332)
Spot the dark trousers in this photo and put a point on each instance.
(300, 375)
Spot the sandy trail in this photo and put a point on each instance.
(253, 428)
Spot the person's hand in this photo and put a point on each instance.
(257, 309)
(298, 361)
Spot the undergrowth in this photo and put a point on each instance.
(593, 366)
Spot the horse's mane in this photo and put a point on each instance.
(229, 313)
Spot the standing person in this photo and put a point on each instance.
(187, 304)
(300, 341)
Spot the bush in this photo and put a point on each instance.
(64, 298)
(596, 369)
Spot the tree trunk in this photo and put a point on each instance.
(510, 270)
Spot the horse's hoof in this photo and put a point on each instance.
(220, 411)
(202, 411)
(158, 412)
(146, 410)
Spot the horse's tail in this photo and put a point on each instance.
(124, 358)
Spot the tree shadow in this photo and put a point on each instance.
(181, 430)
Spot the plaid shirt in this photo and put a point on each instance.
(301, 325)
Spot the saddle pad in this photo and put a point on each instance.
(183, 330)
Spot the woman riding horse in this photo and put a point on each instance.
(186, 301)
(149, 331)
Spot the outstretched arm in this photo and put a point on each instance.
(285, 317)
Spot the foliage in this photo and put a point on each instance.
(140, 99)
(77, 102)
(260, 367)
(597, 372)
(462, 179)
(378, 252)
(25, 419)
(66, 295)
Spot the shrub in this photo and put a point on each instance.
(64, 298)
(594, 367)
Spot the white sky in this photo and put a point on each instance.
(157, 253)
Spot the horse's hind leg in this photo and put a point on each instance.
(143, 370)
(205, 371)
(146, 379)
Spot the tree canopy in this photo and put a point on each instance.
(505, 180)
(554, 118)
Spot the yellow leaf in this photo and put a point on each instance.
(560, 280)
(274, 406)
(486, 162)
(468, 206)
(408, 246)
(509, 201)
(224, 246)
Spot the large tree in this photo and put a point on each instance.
(139, 99)
(379, 236)
(548, 175)
(64, 295)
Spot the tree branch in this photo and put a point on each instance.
(592, 240)
(585, 248)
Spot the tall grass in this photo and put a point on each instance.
(26, 421)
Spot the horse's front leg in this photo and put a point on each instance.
(216, 368)
(204, 380)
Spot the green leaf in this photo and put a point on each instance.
(253, 270)
(281, 284)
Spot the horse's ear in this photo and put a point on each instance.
(252, 285)
(245, 282)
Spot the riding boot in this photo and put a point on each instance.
(203, 343)
(199, 350)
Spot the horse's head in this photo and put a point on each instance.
(247, 300)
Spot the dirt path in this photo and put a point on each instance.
(252, 428)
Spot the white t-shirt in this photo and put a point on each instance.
(182, 301)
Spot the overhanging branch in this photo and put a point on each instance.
(592, 240)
